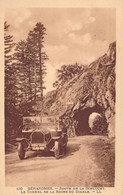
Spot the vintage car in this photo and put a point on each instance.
(42, 133)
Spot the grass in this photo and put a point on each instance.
(104, 152)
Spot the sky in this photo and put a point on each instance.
(73, 34)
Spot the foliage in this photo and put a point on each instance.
(24, 76)
(10, 80)
(67, 72)
(9, 68)
(30, 60)
(37, 57)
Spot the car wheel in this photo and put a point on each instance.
(57, 150)
(21, 151)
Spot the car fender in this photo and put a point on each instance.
(23, 141)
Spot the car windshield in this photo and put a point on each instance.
(36, 122)
(31, 122)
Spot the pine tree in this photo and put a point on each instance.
(23, 72)
(10, 88)
(9, 68)
(30, 65)
(37, 36)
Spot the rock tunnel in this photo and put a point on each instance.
(81, 116)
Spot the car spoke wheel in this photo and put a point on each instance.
(57, 150)
(21, 151)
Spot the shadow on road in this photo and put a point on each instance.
(39, 154)
(71, 149)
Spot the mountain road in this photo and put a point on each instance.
(89, 162)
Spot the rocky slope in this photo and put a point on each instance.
(91, 91)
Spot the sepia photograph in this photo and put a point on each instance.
(60, 97)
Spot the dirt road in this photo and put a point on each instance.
(89, 162)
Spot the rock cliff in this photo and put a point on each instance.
(90, 91)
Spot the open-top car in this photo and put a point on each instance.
(42, 133)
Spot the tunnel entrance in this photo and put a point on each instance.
(82, 127)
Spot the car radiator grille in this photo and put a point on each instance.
(37, 137)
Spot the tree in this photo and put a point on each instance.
(23, 69)
(30, 64)
(24, 75)
(35, 42)
(10, 80)
(8, 44)
(9, 69)
(9, 72)
(67, 72)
